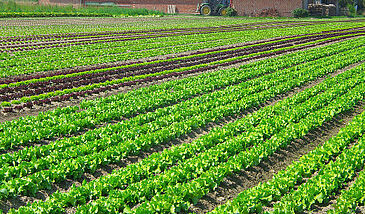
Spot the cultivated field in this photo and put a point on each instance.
(182, 114)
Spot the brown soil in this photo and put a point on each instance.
(104, 170)
(123, 90)
(64, 186)
(37, 109)
(360, 209)
(75, 42)
(231, 186)
(325, 207)
(236, 183)
(160, 57)
(317, 208)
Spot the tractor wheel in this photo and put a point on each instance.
(222, 11)
(206, 10)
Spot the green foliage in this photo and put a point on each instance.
(171, 180)
(352, 10)
(300, 12)
(344, 3)
(43, 60)
(129, 78)
(4, 104)
(180, 196)
(231, 12)
(319, 187)
(13, 9)
(212, 156)
(351, 198)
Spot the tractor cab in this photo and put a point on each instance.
(214, 7)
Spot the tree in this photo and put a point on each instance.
(360, 3)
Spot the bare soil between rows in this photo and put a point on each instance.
(325, 207)
(123, 90)
(245, 179)
(233, 184)
(38, 109)
(66, 185)
(104, 170)
(47, 141)
(360, 209)
(225, 187)
(317, 208)
(164, 57)
(68, 43)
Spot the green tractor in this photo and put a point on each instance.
(214, 7)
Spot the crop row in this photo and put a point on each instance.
(158, 119)
(101, 80)
(135, 191)
(351, 198)
(117, 38)
(119, 44)
(83, 35)
(68, 36)
(117, 147)
(219, 50)
(40, 86)
(252, 200)
(181, 195)
(329, 179)
(118, 48)
(109, 50)
(87, 157)
(203, 26)
(88, 35)
(82, 115)
(87, 41)
(69, 120)
(42, 61)
(129, 66)
(119, 64)
(74, 26)
(126, 130)
(142, 76)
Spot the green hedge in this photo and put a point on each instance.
(13, 9)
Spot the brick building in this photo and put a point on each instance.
(283, 7)
(180, 6)
(75, 3)
(243, 7)
(256, 7)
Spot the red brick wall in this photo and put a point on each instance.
(182, 6)
(174, 2)
(244, 7)
(75, 3)
(254, 7)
